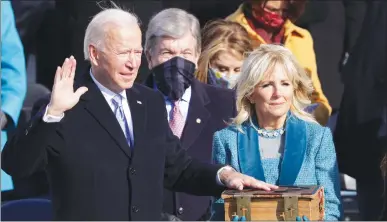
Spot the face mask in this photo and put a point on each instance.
(269, 19)
(221, 79)
(174, 76)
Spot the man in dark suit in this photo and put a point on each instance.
(361, 130)
(107, 148)
(203, 109)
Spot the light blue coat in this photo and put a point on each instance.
(309, 159)
(13, 76)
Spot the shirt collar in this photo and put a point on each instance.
(187, 94)
(107, 93)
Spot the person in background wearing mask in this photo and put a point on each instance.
(271, 22)
(223, 50)
(195, 110)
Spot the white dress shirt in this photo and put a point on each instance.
(108, 95)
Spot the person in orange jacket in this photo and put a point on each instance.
(271, 22)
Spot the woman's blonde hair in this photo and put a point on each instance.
(219, 36)
(258, 65)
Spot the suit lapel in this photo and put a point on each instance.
(197, 116)
(294, 150)
(250, 162)
(97, 106)
(137, 106)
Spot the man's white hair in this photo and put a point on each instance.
(174, 23)
(102, 22)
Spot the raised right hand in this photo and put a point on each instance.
(63, 96)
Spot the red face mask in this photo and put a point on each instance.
(269, 19)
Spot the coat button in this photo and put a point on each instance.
(180, 210)
(132, 170)
(135, 209)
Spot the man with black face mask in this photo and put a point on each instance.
(195, 110)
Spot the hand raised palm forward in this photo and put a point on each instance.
(63, 96)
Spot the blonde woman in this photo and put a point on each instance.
(271, 22)
(224, 44)
(272, 138)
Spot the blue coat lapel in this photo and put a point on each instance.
(248, 152)
(294, 151)
(250, 162)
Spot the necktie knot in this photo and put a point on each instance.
(117, 100)
(176, 103)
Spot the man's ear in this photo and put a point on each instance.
(149, 59)
(93, 55)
